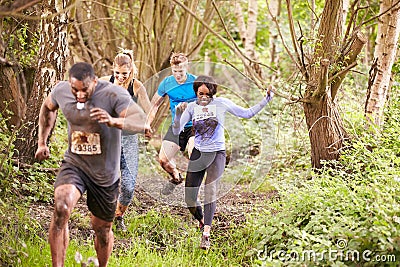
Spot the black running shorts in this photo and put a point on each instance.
(101, 201)
(180, 140)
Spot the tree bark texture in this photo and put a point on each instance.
(324, 124)
(325, 130)
(385, 56)
(11, 97)
(53, 53)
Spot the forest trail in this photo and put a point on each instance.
(233, 207)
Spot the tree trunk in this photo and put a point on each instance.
(11, 98)
(325, 130)
(53, 54)
(323, 121)
(159, 33)
(247, 32)
(385, 55)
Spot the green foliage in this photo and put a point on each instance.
(22, 43)
(8, 173)
(22, 237)
(33, 183)
(350, 208)
(153, 239)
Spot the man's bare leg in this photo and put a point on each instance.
(104, 240)
(65, 198)
(166, 157)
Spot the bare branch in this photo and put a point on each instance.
(40, 17)
(381, 14)
(233, 47)
(290, 98)
(292, 31)
(17, 6)
(345, 70)
(237, 49)
(284, 43)
(351, 20)
(347, 58)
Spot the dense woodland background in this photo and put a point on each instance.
(335, 67)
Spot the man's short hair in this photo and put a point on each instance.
(178, 58)
(81, 71)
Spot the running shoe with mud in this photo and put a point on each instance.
(120, 224)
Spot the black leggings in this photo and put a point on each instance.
(201, 162)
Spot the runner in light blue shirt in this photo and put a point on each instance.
(179, 88)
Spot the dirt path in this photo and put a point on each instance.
(231, 208)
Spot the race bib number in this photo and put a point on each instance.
(203, 113)
(85, 143)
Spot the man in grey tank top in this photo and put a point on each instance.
(96, 112)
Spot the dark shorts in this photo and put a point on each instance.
(180, 140)
(101, 201)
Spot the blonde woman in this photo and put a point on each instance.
(124, 74)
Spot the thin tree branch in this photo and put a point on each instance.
(345, 70)
(283, 41)
(233, 41)
(290, 98)
(352, 16)
(17, 6)
(302, 52)
(40, 17)
(233, 47)
(381, 14)
(293, 33)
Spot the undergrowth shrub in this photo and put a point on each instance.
(20, 185)
(8, 172)
(348, 214)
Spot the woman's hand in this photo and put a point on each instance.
(180, 108)
(270, 92)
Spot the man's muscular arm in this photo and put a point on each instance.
(47, 119)
(132, 119)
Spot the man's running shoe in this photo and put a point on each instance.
(169, 187)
